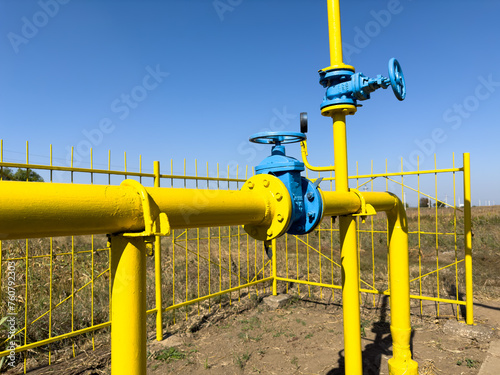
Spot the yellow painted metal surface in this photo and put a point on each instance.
(468, 240)
(72, 209)
(335, 37)
(279, 204)
(303, 149)
(128, 305)
(158, 267)
(399, 283)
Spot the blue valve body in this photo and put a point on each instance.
(307, 203)
(343, 86)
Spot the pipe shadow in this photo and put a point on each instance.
(373, 352)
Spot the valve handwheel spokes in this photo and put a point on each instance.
(397, 79)
(277, 138)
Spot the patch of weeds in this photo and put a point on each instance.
(241, 361)
(169, 355)
(250, 324)
(279, 333)
(255, 299)
(261, 352)
(365, 323)
(470, 363)
(308, 336)
(246, 337)
(292, 302)
(206, 365)
(300, 321)
(295, 362)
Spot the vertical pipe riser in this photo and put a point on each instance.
(350, 296)
(399, 282)
(128, 306)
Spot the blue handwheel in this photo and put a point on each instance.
(397, 79)
(277, 138)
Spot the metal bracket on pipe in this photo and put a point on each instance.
(366, 208)
(152, 220)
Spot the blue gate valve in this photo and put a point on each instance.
(343, 86)
(307, 202)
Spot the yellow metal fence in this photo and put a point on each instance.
(54, 289)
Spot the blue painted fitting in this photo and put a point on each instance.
(346, 87)
(307, 203)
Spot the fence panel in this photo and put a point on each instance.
(61, 286)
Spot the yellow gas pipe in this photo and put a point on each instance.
(401, 363)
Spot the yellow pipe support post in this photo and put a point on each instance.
(468, 241)
(158, 268)
(399, 284)
(348, 254)
(350, 295)
(128, 305)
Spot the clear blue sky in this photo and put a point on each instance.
(193, 79)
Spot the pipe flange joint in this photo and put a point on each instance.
(279, 207)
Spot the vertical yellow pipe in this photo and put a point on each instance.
(350, 296)
(348, 254)
(158, 281)
(275, 282)
(340, 152)
(334, 33)
(468, 241)
(399, 284)
(128, 321)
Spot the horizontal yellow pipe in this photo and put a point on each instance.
(344, 203)
(32, 209)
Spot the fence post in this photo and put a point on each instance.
(275, 282)
(158, 283)
(469, 306)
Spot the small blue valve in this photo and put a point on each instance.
(307, 202)
(346, 87)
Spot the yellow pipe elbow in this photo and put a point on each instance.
(303, 149)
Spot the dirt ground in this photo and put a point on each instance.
(303, 337)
